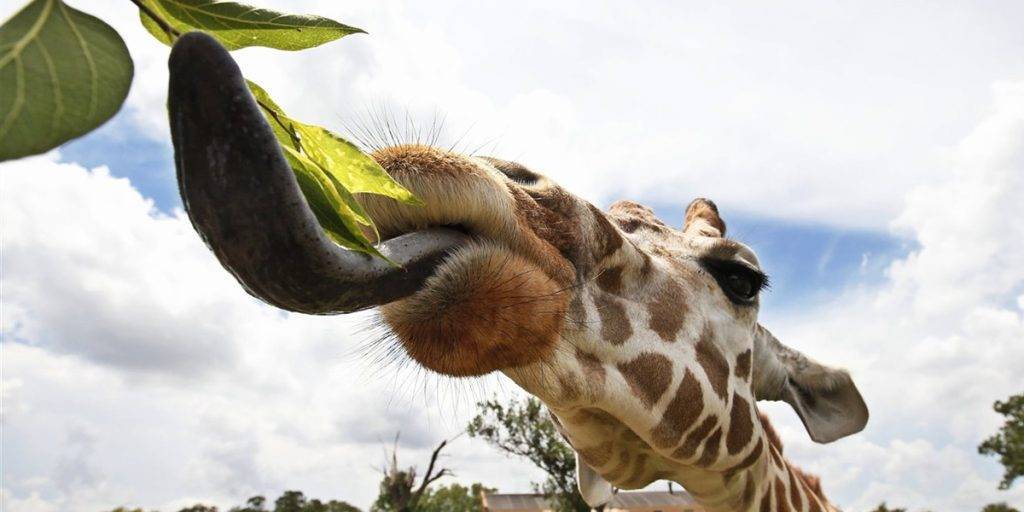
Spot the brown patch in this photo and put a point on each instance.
(747, 461)
(741, 428)
(776, 456)
(682, 411)
(483, 310)
(639, 470)
(794, 491)
(812, 485)
(714, 363)
(610, 280)
(648, 376)
(742, 369)
(552, 217)
(694, 438)
(668, 311)
(615, 326)
(629, 224)
(596, 456)
(773, 436)
(594, 417)
(748, 494)
(711, 448)
(780, 504)
(766, 499)
(570, 390)
(593, 370)
(620, 468)
(607, 238)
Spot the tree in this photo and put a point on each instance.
(399, 491)
(295, 501)
(289, 501)
(1008, 443)
(524, 429)
(454, 498)
(253, 504)
(199, 507)
(998, 507)
(882, 507)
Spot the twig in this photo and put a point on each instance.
(428, 478)
(166, 27)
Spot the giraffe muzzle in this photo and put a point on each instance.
(243, 200)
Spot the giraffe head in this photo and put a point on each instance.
(589, 309)
(642, 338)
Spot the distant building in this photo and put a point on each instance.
(678, 501)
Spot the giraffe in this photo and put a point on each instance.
(641, 339)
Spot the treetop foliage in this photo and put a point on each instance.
(1008, 442)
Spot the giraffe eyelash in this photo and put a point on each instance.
(723, 270)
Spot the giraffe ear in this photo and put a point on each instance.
(596, 491)
(702, 219)
(825, 398)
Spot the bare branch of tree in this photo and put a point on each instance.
(430, 477)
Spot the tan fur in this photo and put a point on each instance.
(485, 309)
(609, 318)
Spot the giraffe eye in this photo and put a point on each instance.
(740, 283)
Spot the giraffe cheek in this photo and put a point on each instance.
(485, 309)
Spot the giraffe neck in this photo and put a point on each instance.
(770, 483)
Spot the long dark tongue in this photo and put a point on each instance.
(243, 199)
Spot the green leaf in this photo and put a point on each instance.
(356, 171)
(330, 170)
(62, 74)
(330, 204)
(351, 167)
(239, 26)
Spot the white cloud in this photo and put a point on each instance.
(825, 115)
(136, 371)
(122, 333)
(936, 344)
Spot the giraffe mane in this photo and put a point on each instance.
(812, 481)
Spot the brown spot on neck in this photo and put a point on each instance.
(713, 362)
(648, 376)
(747, 461)
(742, 370)
(766, 499)
(741, 427)
(781, 505)
(711, 447)
(596, 456)
(794, 491)
(681, 413)
(694, 439)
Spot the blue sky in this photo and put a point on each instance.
(871, 153)
(807, 262)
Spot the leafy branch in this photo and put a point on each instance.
(63, 73)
